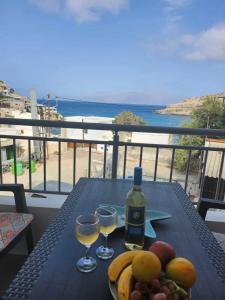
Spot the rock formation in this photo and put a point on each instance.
(186, 106)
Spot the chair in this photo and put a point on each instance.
(14, 225)
(203, 205)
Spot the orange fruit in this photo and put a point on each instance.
(182, 271)
(146, 266)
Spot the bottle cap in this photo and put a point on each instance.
(137, 175)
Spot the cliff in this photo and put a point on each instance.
(186, 106)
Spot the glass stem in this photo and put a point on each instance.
(86, 254)
(106, 241)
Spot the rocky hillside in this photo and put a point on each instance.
(186, 106)
(6, 92)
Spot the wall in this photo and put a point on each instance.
(150, 138)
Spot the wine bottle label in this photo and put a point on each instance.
(135, 221)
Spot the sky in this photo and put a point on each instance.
(129, 51)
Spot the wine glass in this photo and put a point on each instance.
(87, 230)
(108, 222)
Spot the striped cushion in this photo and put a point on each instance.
(11, 224)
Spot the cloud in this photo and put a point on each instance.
(47, 5)
(92, 10)
(173, 12)
(172, 24)
(203, 46)
(206, 45)
(82, 10)
(171, 5)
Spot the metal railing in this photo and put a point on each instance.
(116, 144)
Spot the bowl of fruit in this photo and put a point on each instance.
(156, 274)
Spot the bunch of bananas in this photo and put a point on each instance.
(120, 271)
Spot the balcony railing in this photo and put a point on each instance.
(112, 163)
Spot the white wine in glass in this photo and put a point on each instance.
(87, 230)
(108, 223)
(107, 229)
(86, 239)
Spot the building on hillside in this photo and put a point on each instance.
(46, 112)
(85, 134)
(4, 89)
(17, 104)
(5, 113)
(213, 169)
(10, 99)
(4, 93)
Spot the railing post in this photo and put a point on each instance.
(115, 154)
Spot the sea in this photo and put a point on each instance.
(148, 113)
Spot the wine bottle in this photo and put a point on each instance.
(135, 212)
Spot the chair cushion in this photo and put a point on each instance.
(11, 224)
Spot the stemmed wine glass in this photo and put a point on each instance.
(87, 230)
(108, 222)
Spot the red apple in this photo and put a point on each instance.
(164, 251)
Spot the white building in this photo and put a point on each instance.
(150, 138)
(86, 134)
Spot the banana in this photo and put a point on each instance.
(125, 284)
(119, 263)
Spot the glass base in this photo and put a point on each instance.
(104, 253)
(86, 264)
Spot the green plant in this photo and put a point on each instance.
(210, 115)
(128, 118)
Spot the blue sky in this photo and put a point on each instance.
(132, 51)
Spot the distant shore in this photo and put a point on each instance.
(186, 107)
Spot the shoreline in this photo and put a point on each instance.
(172, 113)
(147, 113)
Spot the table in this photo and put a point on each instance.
(50, 273)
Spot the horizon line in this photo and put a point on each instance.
(98, 102)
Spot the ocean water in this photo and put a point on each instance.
(146, 112)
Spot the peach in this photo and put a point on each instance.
(146, 266)
(182, 271)
(164, 251)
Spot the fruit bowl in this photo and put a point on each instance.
(154, 274)
(114, 293)
(113, 290)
